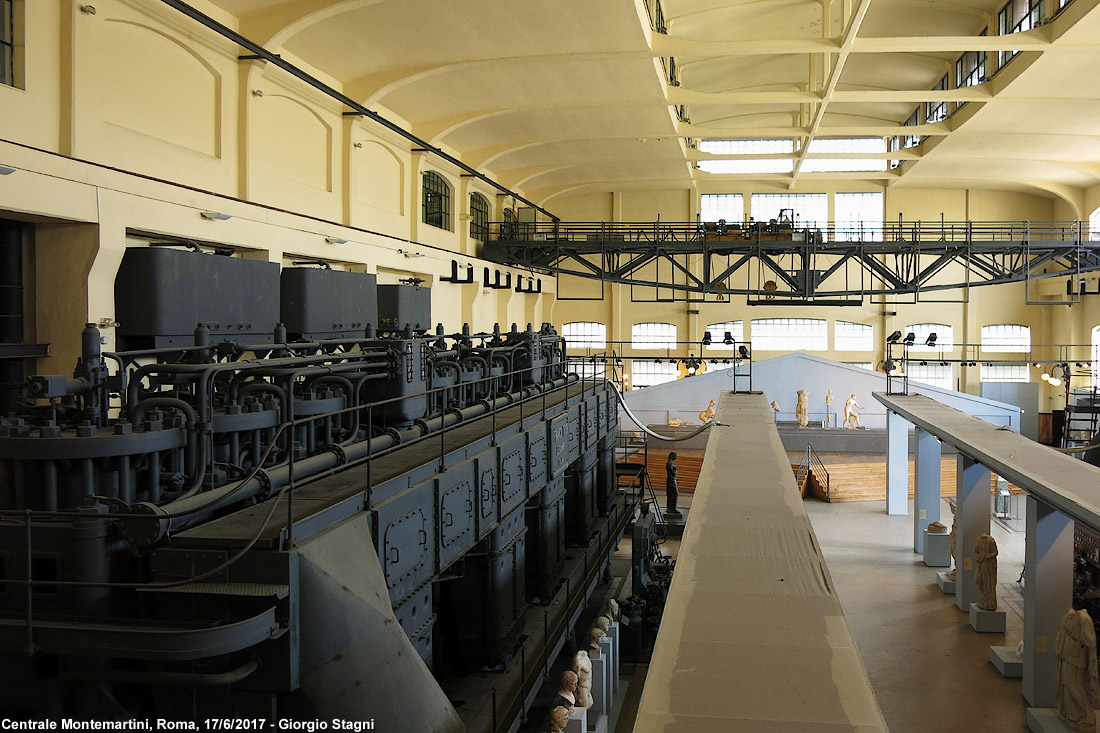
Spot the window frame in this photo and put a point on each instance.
(937, 111)
(7, 43)
(656, 339)
(667, 372)
(435, 212)
(479, 217)
(718, 333)
(989, 337)
(597, 339)
(942, 382)
(985, 375)
(793, 340)
(866, 333)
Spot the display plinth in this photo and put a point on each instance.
(1046, 720)
(598, 709)
(987, 622)
(946, 584)
(601, 725)
(937, 549)
(674, 523)
(578, 721)
(613, 635)
(1005, 660)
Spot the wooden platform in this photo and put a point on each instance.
(862, 476)
(688, 463)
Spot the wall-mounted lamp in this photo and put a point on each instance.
(6, 170)
(214, 215)
(408, 253)
(336, 240)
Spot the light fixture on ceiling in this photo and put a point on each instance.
(6, 170)
(410, 254)
(214, 215)
(336, 240)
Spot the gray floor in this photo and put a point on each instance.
(929, 669)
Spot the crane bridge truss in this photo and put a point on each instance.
(776, 263)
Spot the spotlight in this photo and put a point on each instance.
(893, 338)
(910, 338)
(727, 338)
(931, 340)
(1036, 365)
(943, 363)
(889, 366)
(1045, 377)
(924, 363)
(743, 351)
(706, 338)
(1078, 364)
(1055, 382)
(725, 361)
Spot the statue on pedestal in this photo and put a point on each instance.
(851, 417)
(802, 408)
(582, 665)
(985, 574)
(612, 610)
(708, 414)
(829, 408)
(603, 623)
(1075, 650)
(672, 486)
(595, 636)
(559, 718)
(566, 697)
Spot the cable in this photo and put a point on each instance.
(647, 431)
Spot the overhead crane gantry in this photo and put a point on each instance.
(777, 263)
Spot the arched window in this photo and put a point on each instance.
(718, 331)
(945, 337)
(1006, 337)
(936, 374)
(653, 335)
(479, 217)
(1094, 226)
(789, 334)
(646, 372)
(849, 336)
(585, 335)
(437, 200)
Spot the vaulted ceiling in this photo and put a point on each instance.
(575, 95)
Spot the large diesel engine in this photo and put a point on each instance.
(287, 497)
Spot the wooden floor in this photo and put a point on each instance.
(688, 463)
(862, 476)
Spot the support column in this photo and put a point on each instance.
(1048, 593)
(897, 464)
(972, 509)
(926, 502)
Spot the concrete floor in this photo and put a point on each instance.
(929, 669)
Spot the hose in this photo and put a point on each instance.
(647, 431)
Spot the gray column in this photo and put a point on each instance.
(926, 502)
(972, 506)
(1048, 593)
(897, 464)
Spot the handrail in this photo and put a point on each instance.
(817, 467)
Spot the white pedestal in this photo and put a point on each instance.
(1046, 720)
(613, 635)
(987, 622)
(601, 725)
(599, 690)
(937, 550)
(578, 721)
(1005, 660)
(946, 584)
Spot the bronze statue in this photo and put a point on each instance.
(672, 486)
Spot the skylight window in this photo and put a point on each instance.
(722, 206)
(845, 145)
(747, 147)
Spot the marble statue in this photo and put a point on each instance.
(559, 718)
(603, 623)
(595, 636)
(985, 574)
(675, 422)
(937, 528)
(672, 486)
(566, 696)
(802, 408)
(582, 665)
(954, 561)
(775, 407)
(708, 414)
(851, 417)
(828, 407)
(1075, 651)
(612, 610)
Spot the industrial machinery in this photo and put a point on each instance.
(286, 499)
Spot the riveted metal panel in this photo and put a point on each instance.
(514, 472)
(590, 413)
(487, 470)
(456, 492)
(537, 473)
(405, 532)
(573, 433)
(558, 431)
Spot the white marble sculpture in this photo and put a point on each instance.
(954, 562)
(559, 718)
(985, 574)
(603, 623)
(1075, 650)
(828, 407)
(775, 407)
(582, 665)
(937, 528)
(612, 610)
(595, 636)
(851, 417)
(802, 408)
(567, 697)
